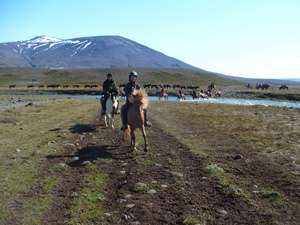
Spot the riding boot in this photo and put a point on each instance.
(103, 103)
(147, 123)
(124, 121)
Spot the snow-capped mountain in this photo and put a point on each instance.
(43, 39)
(85, 52)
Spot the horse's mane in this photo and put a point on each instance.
(139, 96)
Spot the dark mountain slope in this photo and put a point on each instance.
(85, 52)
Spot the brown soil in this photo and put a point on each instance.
(190, 191)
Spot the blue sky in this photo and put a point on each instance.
(247, 38)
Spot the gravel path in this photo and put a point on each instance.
(25, 102)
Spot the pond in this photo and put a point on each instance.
(231, 101)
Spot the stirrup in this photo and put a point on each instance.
(123, 128)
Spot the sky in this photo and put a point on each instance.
(245, 38)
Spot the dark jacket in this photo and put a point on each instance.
(109, 87)
(194, 93)
(130, 87)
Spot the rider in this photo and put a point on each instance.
(129, 88)
(180, 92)
(162, 92)
(194, 93)
(109, 87)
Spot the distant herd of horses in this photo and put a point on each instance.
(53, 86)
(202, 94)
(262, 86)
(265, 86)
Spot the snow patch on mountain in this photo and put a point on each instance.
(43, 39)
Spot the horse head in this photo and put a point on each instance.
(139, 97)
(114, 96)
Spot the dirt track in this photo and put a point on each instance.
(181, 183)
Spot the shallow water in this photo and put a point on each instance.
(230, 101)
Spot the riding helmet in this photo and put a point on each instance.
(133, 73)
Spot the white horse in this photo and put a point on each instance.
(111, 109)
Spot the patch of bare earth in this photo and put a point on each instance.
(176, 182)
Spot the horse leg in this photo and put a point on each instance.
(145, 139)
(133, 144)
(124, 133)
(112, 121)
(105, 120)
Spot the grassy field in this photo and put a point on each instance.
(212, 131)
(28, 134)
(264, 138)
(293, 94)
(23, 76)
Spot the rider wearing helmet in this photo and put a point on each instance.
(109, 87)
(128, 89)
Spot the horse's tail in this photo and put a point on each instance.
(139, 97)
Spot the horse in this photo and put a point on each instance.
(248, 86)
(159, 94)
(194, 95)
(212, 86)
(202, 95)
(218, 94)
(135, 117)
(112, 104)
(76, 85)
(284, 86)
(165, 96)
(147, 86)
(262, 86)
(179, 97)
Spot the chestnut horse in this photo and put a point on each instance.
(179, 97)
(135, 116)
(112, 104)
(166, 96)
(159, 94)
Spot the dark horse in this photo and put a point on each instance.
(136, 118)
(284, 86)
(212, 86)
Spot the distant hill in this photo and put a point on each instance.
(253, 81)
(85, 52)
(24, 76)
(293, 79)
(85, 58)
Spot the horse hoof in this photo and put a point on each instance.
(134, 148)
(145, 149)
